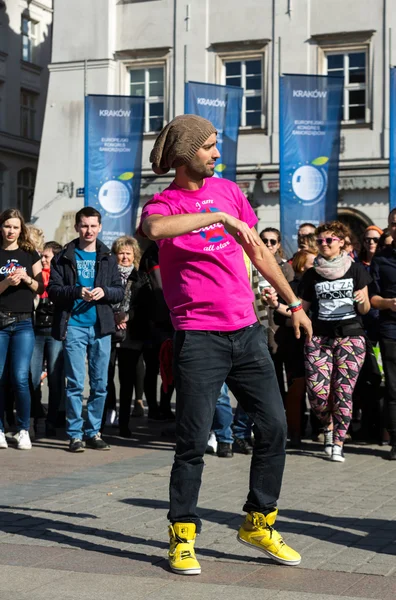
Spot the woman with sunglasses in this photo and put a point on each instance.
(335, 291)
(272, 239)
(371, 237)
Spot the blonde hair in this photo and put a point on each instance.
(37, 237)
(127, 240)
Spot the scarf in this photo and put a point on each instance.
(125, 273)
(334, 268)
(46, 276)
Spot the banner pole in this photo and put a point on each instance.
(85, 77)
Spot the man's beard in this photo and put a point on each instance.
(197, 170)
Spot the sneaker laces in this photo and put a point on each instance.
(184, 553)
(260, 522)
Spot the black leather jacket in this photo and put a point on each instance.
(44, 314)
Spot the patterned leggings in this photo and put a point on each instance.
(332, 367)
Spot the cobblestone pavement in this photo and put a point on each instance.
(93, 525)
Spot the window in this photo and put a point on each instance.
(352, 65)
(28, 114)
(247, 74)
(29, 39)
(149, 82)
(26, 182)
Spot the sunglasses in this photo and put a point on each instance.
(328, 240)
(268, 242)
(374, 239)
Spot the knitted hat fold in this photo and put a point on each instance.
(178, 142)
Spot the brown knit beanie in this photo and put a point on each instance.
(178, 142)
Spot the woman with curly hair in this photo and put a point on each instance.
(335, 291)
(20, 281)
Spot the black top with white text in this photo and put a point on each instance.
(18, 299)
(333, 310)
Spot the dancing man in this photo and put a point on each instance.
(200, 223)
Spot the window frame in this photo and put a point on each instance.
(243, 56)
(29, 189)
(30, 112)
(345, 50)
(146, 66)
(32, 36)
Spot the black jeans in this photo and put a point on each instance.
(388, 353)
(203, 360)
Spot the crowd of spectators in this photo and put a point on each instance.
(339, 386)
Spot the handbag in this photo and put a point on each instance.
(6, 320)
(120, 335)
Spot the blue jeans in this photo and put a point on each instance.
(243, 424)
(203, 360)
(222, 420)
(16, 345)
(81, 342)
(46, 347)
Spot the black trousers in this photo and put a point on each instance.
(388, 353)
(128, 360)
(203, 360)
(152, 362)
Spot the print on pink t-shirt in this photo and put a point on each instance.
(204, 277)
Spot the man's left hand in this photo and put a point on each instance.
(300, 319)
(97, 293)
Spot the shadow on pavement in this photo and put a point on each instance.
(49, 528)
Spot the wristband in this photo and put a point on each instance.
(295, 308)
(30, 282)
(294, 304)
(277, 306)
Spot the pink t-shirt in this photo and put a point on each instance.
(204, 278)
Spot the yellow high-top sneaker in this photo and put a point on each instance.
(257, 531)
(181, 553)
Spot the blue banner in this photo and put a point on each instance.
(392, 140)
(113, 161)
(220, 104)
(309, 144)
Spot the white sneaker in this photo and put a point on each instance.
(111, 416)
(23, 440)
(328, 442)
(3, 441)
(337, 455)
(211, 447)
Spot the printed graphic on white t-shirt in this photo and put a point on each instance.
(335, 299)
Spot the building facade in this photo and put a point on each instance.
(152, 47)
(25, 51)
